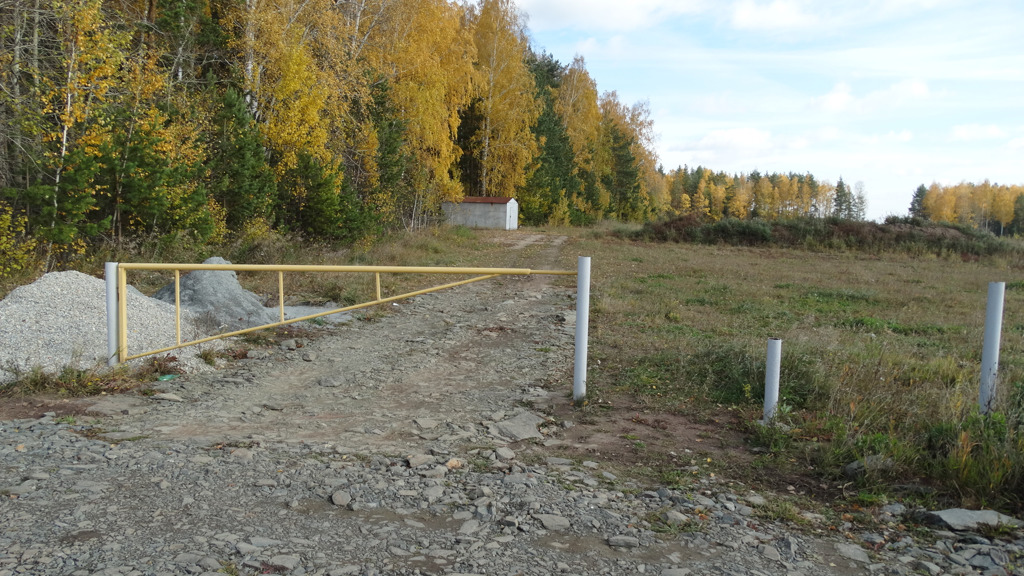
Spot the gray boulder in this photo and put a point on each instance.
(216, 297)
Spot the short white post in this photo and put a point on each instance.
(579, 381)
(990, 350)
(773, 366)
(110, 275)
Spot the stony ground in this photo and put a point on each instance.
(435, 439)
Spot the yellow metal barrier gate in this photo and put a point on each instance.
(117, 315)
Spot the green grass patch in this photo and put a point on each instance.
(875, 325)
(722, 373)
(834, 302)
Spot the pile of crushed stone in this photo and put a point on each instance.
(61, 320)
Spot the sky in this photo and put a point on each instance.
(889, 93)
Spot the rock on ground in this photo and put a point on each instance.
(216, 297)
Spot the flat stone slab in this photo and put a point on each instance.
(341, 498)
(519, 427)
(623, 542)
(417, 460)
(552, 521)
(961, 519)
(853, 552)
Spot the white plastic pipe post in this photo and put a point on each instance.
(990, 351)
(579, 380)
(110, 275)
(773, 367)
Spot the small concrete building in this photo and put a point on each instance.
(483, 212)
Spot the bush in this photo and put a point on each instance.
(908, 235)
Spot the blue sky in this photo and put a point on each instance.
(891, 93)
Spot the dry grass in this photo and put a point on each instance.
(883, 351)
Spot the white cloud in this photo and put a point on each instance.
(910, 89)
(972, 132)
(842, 99)
(776, 15)
(746, 138)
(606, 15)
(588, 46)
(898, 94)
(1016, 144)
(838, 100)
(609, 49)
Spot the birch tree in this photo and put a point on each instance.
(503, 144)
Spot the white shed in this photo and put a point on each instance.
(483, 212)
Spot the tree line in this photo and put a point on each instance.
(717, 195)
(333, 119)
(986, 206)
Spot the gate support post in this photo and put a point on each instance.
(579, 381)
(110, 276)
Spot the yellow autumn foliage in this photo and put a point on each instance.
(16, 251)
(504, 144)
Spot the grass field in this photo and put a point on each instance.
(881, 355)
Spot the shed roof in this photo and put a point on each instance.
(486, 200)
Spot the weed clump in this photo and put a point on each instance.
(723, 373)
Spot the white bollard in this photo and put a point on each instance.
(990, 349)
(773, 367)
(579, 381)
(110, 275)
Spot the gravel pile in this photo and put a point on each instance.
(61, 320)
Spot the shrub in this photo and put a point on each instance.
(907, 235)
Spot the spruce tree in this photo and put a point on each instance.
(240, 179)
(917, 203)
